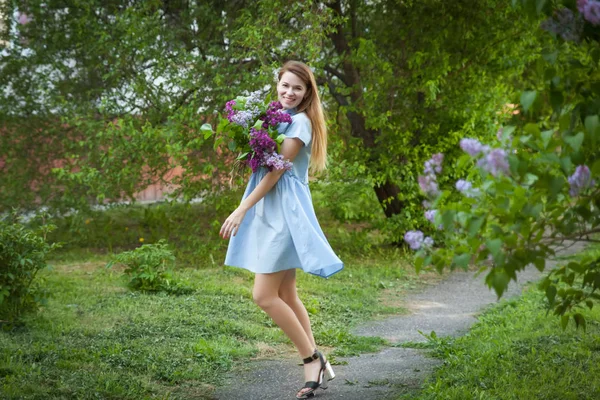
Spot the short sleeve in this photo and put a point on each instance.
(300, 128)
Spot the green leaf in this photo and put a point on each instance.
(494, 246)
(579, 320)
(207, 129)
(575, 141)
(546, 137)
(258, 124)
(596, 168)
(551, 294)
(475, 225)
(462, 260)
(591, 124)
(242, 156)
(564, 320)
(280, 138)
(232, 145)
(527, 99)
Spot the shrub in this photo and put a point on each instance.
(23, 254)
(149, 268)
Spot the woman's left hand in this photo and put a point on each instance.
(232, 223)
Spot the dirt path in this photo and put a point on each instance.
(448, 308)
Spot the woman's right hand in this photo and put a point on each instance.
(232, 223)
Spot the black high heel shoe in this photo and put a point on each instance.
(325, 375)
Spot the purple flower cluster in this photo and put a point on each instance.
(428, 182)
(264, 152)
(274, 116)
(246, 116)
(495, 161)
(416, 240)
(580, 180)
(590, 10)
(473, 147)
(276, 161)
(565, 24)
(430, 215)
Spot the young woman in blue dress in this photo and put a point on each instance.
(274, 230)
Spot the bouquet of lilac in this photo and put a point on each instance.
(251, 126)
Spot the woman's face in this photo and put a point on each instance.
(290, 90)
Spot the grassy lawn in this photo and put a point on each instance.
(97, 339)
(518, 352)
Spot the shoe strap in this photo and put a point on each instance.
(308, 360)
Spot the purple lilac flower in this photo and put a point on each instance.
(591, 12)
(414, 239)
(581, 5)
(565, 24)
(463, 186)
(242, 118)
(472, 146)
(275, 115)
(429, 185)
(434, 165)
(276, 161)
(430, 215)
(495, 162)
(426, 204)
(24, 19)
(580, 180)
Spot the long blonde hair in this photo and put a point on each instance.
(311, 104)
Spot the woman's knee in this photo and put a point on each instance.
(263, 300)
(290, 298)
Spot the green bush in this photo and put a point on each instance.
(23, 254)
(149, 268)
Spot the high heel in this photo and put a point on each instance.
(322, 380)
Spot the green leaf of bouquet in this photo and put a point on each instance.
(207, 129)
(527, 99)
(242, 156)
(258, 124)
(232, 145)
(575, 141)
(280, 138)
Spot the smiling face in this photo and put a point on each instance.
(290, 90)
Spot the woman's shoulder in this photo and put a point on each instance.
(301, 119)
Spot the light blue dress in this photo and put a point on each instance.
(281, 231)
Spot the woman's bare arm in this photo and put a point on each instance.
(289, 150)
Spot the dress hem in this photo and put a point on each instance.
(341, 267)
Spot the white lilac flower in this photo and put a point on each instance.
(428, 242)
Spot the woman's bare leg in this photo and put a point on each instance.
(289, 294)
(266, 295)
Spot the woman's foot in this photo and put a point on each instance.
(314, 367)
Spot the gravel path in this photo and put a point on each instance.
(449, 308)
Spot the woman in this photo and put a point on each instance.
(274, 230)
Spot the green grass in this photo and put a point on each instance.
(97, 339)
(518, 352)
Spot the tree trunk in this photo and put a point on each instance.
(387, 193)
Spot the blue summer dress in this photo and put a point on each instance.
(281, 231)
